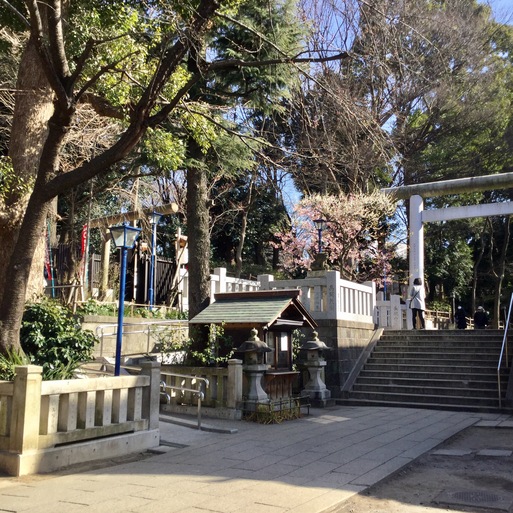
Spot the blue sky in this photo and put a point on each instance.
(502, 9)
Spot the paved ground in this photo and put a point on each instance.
(321, 462)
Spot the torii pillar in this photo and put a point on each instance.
(416, 238)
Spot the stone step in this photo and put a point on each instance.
(447, 382)
(433, 359)
(447, 334)
(446, 351)
(427, 398)
(436, 366)
(426, 345)
(350, 401)
(450, 369)
(428, 390)
(452, 374)
(444, 333)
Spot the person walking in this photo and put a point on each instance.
(480, 319)
(418, 303)
(461, 318)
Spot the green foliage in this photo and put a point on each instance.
(218, 350)
(449, 258)
(163, 149)
(172, 343)
(10, 182)
(9, 361)
(51, 337)
(94, 307)
(175, 346)
(440, 306)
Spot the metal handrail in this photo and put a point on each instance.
(504, 349)
(196, 391)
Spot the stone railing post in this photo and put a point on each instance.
(371, 300)
(332, 294)
(234, 392)
(220, 284)
(151, 394)
(265, 281)
(26, 408)
(396, 313)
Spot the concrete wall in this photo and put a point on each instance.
(140, 336)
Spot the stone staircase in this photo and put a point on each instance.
(439, 369)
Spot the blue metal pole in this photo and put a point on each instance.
(152, 265)
(320, 240)
(121, 311)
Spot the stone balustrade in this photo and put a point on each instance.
(327, 296)
(47, 425)
(222, 396)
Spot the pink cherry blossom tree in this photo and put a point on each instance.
(353, 239)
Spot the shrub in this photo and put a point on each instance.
(51, 337)
(217, 351)
(93, 307)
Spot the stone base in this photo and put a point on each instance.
(318, 398)
(57, 458)
(322, 403)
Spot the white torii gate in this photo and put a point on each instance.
(419, 216)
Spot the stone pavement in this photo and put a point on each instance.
(307, 465)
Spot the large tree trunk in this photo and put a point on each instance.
(32, 111)
(50, 183)
(18, 270)
(198, 233)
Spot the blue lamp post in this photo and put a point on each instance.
(154, 221)
(124, 237)
(319, 224)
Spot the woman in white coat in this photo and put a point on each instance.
(418, 303)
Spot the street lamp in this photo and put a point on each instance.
(124, 237)
(154, 221)
(319, 225)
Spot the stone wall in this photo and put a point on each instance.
(346, 340)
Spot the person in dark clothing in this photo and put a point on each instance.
(460, 318)
(480, 319)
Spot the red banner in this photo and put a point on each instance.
(83, 240)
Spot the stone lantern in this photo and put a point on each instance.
(254, 367)
(315, 389)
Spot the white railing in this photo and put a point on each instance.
(324, 294)
(219, 282)
(395, 314)
(327, 296)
